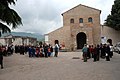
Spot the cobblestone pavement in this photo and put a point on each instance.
(21, 67)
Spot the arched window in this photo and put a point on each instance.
(71, 20)
(81, 20)
(90, 19)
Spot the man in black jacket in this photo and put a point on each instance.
(1, 57)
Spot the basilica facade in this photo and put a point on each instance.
(81, 25)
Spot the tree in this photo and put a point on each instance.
(113, 19)
(8, 16)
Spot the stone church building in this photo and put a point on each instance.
(81, 25)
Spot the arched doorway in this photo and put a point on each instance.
(81, 40)
(56, 42)
(109, 41)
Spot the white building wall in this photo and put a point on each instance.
(2, 41)
(28, 42)
(46, 39)
(18, 41)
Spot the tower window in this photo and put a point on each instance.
(90, 19)
(81, 20)
(71, 20)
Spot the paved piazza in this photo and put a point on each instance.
(21, 67)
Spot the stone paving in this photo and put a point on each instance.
(64, 67)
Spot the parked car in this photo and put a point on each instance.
(117, 48)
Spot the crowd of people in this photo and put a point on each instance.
(44, 50)
(104, 51)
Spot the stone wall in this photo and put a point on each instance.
(110, 33)
(62, 35)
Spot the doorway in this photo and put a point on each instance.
(56, 42)
(81, 40)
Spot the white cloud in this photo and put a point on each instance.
(43, 16)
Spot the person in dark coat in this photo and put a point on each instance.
(107, 51)
(95, 54)
(33, 51)
(1, 57)
(98, 52)
(46, 50)
(89, 52)
(22, 49)
(16, 48)
(102, 48)
(26, 49)
(30, 51)
(9, 51)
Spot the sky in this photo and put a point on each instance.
(44, 16)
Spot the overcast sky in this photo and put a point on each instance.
(43, 16)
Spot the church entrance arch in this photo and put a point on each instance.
(81, 40)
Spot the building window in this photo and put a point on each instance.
(81, 20)
(90, 19)
(46, 38)
(71, 20)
